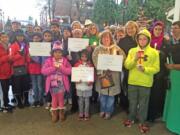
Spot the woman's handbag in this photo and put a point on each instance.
(19, 70)
(106, 80)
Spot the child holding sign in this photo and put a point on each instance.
(57, 68)
(84, 89)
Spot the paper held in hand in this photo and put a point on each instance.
(77, 44)
(110, 62)
(39, 48)
(84, 74)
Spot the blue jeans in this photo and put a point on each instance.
(106, 103)
(37, 87)
(83, 103)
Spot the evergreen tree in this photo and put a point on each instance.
(105, 12)
(110, 12)
(157, 8)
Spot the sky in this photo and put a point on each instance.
(20, 9)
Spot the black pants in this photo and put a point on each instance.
(21, 86)
(5, 89)
(95, 94)
(74, 107)
(48, 97)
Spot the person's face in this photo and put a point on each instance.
(57, 54)
(47, 37)
(37, 29)
(4, 38)
(15, 26)
(143, 41)
(77, 34)
(175, 29)
(36, 39)
(131, 30)
(76, 26)
(84, 58)
(20, 38)
(29, 28)
(54, 28)
(120, 35)
(93, 30)
(86, 31)
(106, 40)
(157, 30)
(66, 34)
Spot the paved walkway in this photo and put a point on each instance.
(37, 121)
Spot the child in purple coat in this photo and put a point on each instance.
(56, 69)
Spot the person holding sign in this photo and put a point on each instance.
(56, 69)
(35, 74)
(73, 57)
(142, 63)
(107, 82)
(84, 89)
(47, 37)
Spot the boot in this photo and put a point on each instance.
(62, 115)
(55, 116)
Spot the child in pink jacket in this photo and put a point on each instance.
(57, 68)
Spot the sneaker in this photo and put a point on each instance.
(5, 110)
(81, 117)
(48, 106)
(34, 104)
(102, 114)
(41, 103)
(87, 117)
(69, 101)
(107, 116)
(65, 101)
(143, 128)
(128, 123)
(38, 104)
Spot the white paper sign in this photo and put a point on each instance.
(77, 44)
(39, 48)
(110, 62)
(84, 74)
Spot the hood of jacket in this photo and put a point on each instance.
(146, 33)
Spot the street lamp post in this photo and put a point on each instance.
(1, 20)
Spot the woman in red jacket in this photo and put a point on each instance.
(5, 69)
(20, 59)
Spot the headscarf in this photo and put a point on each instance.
(158, 40)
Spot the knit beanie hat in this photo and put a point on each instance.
(57, 46)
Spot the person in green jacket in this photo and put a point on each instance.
(142, 63)
(94, 35)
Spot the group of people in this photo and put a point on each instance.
(147, 86)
